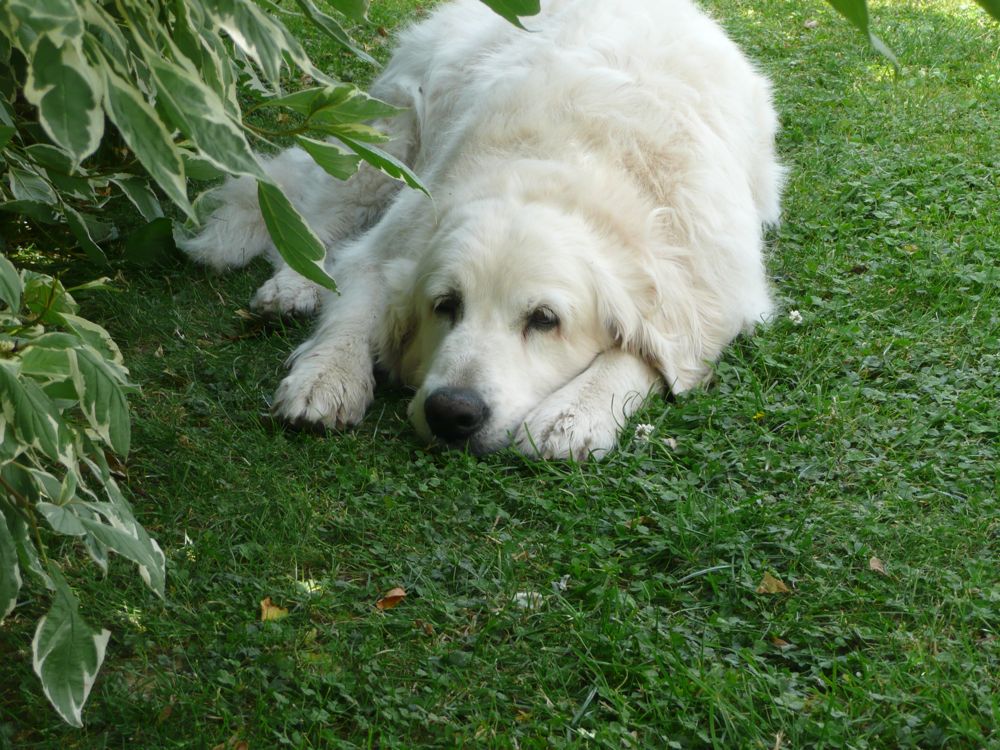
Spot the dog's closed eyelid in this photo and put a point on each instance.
(541, 319)
(448, 305)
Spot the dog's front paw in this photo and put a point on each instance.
(287, 293)
(564, 431)
(327, 394)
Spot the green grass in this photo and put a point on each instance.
(869, 430)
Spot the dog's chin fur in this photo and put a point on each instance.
(611, 172)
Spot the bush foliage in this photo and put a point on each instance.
(100, 99)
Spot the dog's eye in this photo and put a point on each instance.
(542, 319)
(448, 305)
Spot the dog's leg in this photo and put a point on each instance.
(331, 380)
(582, 419)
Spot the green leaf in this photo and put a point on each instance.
(259, 37)
(198, 168)
(6, 133)
(333, 158)
(61, 519)
(35, 210)
(992, 7)
(127, 538)
(513, 9)
(36, 420)
(10, 446)
(50, 157)
(146, 135)
(92, 334)
(46, 364)
(356, 131)
(307, 101)
(10, 285)
(81, 231)
(354, 9)
(152, 244)
(30, 186)
(357, 107)
(856, 11)
(10, 572)
(386, 163)
(24, 545)
(137, 190)
(67, 654)
(297, 243)
(333, 29)
(59, 20)
(102, 400)
(46, 297)
(201, 115)
(67, 93)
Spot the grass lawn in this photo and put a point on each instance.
(612, 604)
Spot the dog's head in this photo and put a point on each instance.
(507, 304)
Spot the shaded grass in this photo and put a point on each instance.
(870, 430)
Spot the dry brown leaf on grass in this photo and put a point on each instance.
(270, 611)
(771, 585)
(391, 598)
(878, 566)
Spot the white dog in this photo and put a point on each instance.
(599, 183)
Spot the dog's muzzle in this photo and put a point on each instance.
(455, 414)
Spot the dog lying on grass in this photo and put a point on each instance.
(600, 186)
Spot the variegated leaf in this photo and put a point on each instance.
(67, 93)
(36, 420)
(10, 571)
(146, 135)
(59, 20)
(10, 285)
(129, 539)
(201, 115)
(67, 654)
(102, 400)
(297, 243)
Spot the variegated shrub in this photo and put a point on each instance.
(62, 406)
(130, 98)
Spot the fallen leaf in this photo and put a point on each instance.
(391, 598)
(878, 566)
(270, 611)
(771, 585)
(424, 626)
(780, 642)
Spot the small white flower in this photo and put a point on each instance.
(671, 443)
(795, 316)
(643, 431)
(528, 600)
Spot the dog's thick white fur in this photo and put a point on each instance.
(600, 185)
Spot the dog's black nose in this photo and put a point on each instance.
(455, 413)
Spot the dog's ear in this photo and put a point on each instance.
(653, 311)
(399, 318)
